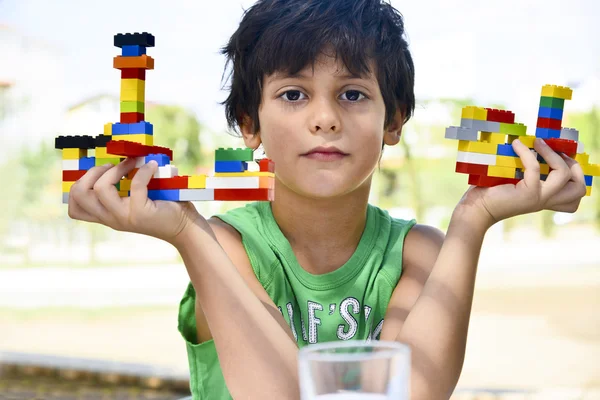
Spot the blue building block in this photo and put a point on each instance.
(120, 129)
(141, 128)
(506, 150)
(86, 163)
(161, 159)
(164, 194)
(588, 180)
(547, 112)
(132, 51)
(547, 133)
(231, 166)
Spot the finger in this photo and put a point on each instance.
(139, 184)
(88, 180)
(574, 189)
(531, 175)
(560, 174)
(106, 190)
(566, 207)
(75, 211)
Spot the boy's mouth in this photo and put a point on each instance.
(321, 153)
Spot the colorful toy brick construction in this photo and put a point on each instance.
(485, 139)
(238, 177)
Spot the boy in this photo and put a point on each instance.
(323, 85)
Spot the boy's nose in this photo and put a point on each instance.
(325, 119)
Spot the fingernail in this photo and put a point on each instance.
(107, 165)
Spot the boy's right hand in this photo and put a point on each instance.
(94, 198)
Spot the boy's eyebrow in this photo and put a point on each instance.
(300, 75)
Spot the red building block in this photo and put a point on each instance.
(245, 194)
(266, 165)
(131, 118)
(503, 116)
(471, 169)
(177, 182)
(569, 147)
(133, 73)
(72, 176)
(549, 123)
(489, 181)
(131, 149)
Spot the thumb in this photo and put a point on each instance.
(139, 184)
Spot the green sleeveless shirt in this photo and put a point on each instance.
(346, 304)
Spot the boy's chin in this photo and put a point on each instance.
(327, 188)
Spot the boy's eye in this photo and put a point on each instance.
(292, 95)
(353, 95)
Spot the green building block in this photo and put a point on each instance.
(132, 106)
(552, 102)
(515, 129)
(111, 160)
(230, 154)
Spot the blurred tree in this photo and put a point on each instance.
(179, 130)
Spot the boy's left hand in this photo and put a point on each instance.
(562, 190)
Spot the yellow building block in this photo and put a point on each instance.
(133, 90)
(591, 169)
(582, 158)
(108, 128)
(508, 161)
(74, 154)
(544, 169)
(588, 190)
(125, 184)
(471, 112)
(559, 92)
(101, 152)
(242, 174)
(526, 140)
(494, 138)
(477, 147)
(66, 186)
(141, 138)
(502, 172)
(197, 182)
(123, 193)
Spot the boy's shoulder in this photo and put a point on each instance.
(421, 247)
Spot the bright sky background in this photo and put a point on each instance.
(497, 51)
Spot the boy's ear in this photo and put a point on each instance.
(394, 130)
(251, 138)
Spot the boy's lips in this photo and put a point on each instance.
(321, 153)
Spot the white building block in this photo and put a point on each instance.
(569, 133)
(476, 158)
(250, 182)
(70, 165)
(196, 194)
(580, 148)
(140, 162)
(168, 171)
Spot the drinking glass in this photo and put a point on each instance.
(355, 370)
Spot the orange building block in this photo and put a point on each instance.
(143, 61)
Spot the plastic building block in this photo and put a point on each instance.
(569, 147)
(231, 166)
(547, 112)
(546, 133)
(552, 102)
(461, 133)
(477, 147)
(504, 167)
(229, 154)
(559, 92)
(237, 177)
(133, 73)
(143, 39)
(132, 50)
(245, 194)
(143, 61)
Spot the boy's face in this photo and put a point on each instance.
(326, 107)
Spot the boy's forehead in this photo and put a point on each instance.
(329, 65)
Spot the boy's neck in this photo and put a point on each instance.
(323, 233)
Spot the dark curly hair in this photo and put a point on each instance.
(287, 35)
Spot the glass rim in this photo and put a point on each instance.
(389, 349)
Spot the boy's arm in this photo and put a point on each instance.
(431, 305)
(257, 353)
